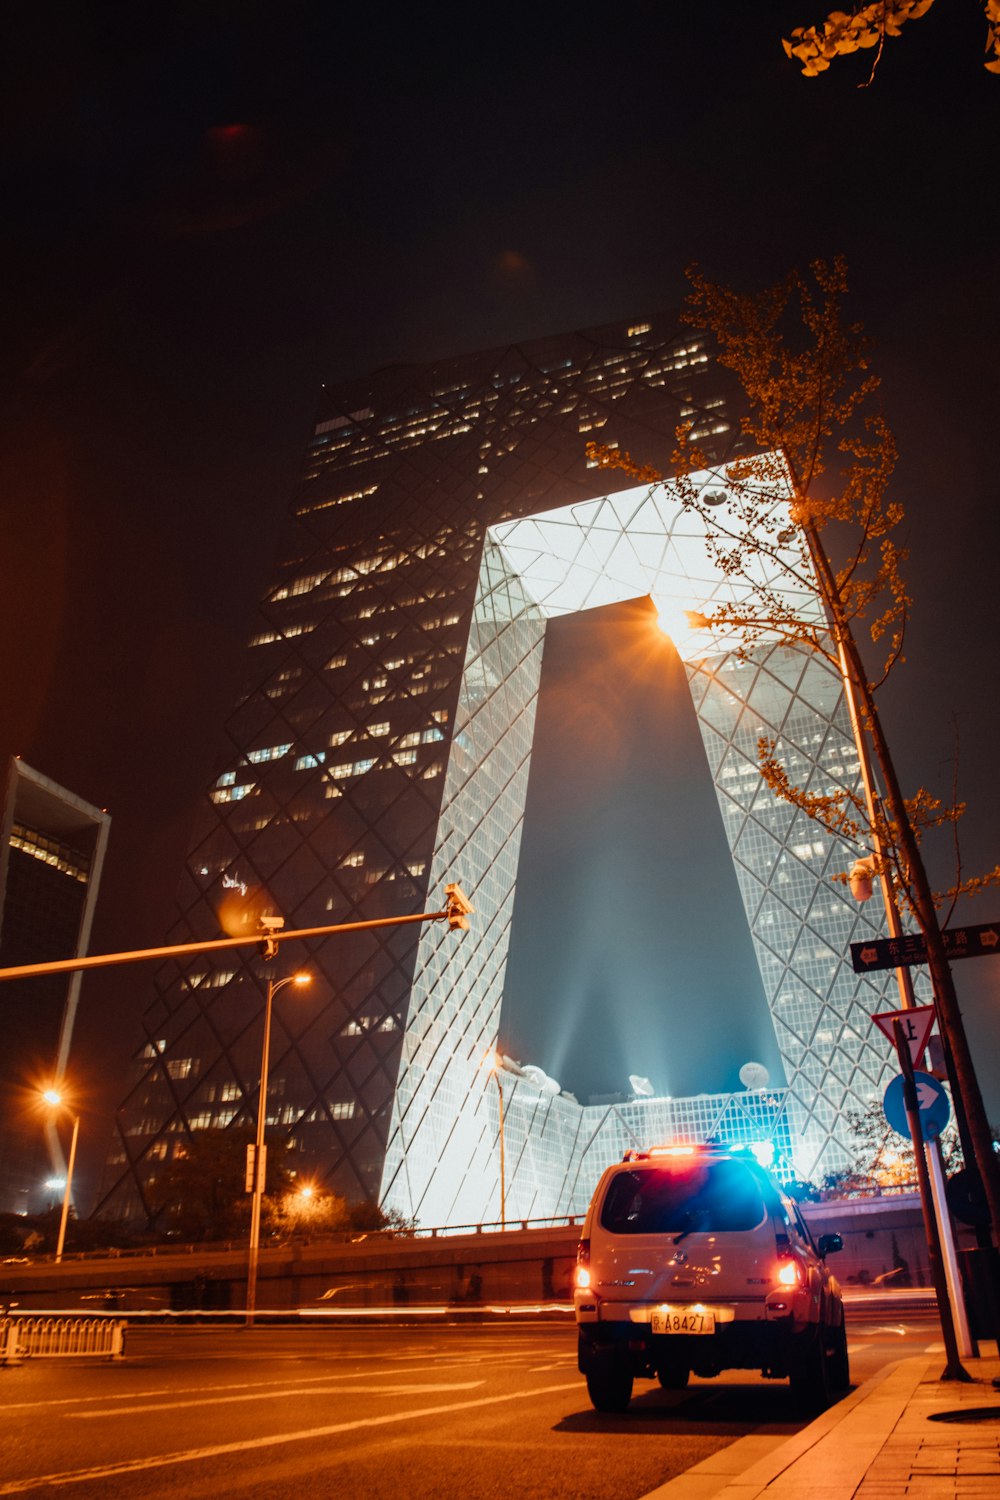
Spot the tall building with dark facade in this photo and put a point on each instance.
(382, 747)
(51, 852)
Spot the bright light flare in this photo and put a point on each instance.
(680, 625)
(53, 1097)
(788, 1273)
(763, 1151)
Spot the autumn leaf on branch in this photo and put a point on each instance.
(867, 27)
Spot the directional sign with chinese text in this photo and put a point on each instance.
(891, 953)
(916, 1023)
(932, 1104)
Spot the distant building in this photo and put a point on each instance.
(382, 747)
(51, 852)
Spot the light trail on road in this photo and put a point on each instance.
(271, 1440)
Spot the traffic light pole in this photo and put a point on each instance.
(455, 913)
(954, 1369)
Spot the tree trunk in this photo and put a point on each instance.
(945, 998)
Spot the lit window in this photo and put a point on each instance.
(341, 737)
(335, 662)
(342, 1109)
(180, 1067)
(309, 762)
(267, 636)
(228, 778)
(271, 752)
(302, 585)
(232, 793)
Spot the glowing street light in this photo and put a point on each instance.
(55, 1100)
(258, 1161)
(492, 1063)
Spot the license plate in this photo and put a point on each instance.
(683, 1320)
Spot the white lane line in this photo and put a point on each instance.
(265, 1386)
(308, 1434)
(329, 1390)
(934, 1349)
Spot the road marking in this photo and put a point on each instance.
(309, 1434)
(934, 1349)
(264, 1386)
(271, 1395)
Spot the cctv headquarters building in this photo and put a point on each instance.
(381, 749)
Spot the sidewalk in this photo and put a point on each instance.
(879, 1443)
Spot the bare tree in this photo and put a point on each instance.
(821, 459)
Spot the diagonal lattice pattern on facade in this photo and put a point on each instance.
(382, 746)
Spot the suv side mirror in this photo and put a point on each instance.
(828, 1243)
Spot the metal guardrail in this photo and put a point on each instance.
(340, 1237)
(47, 1337)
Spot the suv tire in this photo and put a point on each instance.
(673, 1376)
(840, 1371)
(811, 1377)
(610, 1389)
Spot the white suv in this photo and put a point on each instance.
(692, 1259)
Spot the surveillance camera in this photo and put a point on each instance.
(458, 907)
(272, 924)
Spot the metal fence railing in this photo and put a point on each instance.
(54, 1337)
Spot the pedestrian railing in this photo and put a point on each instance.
(48, 1337)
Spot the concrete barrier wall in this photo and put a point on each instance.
(883, 1245)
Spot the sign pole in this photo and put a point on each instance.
(954, 1369)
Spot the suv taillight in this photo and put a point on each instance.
(789, 1273)
(582, 1277)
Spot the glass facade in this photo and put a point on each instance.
(382, 748)
(52, 847)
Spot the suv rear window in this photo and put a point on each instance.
(693, 1196)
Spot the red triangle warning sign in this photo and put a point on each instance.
(916, 1024)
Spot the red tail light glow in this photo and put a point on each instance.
(789, 1273)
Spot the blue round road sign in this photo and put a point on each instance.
(932, 1101)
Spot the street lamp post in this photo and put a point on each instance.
(259, 1161)
(53, 1097)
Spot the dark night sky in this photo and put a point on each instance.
(406, 184)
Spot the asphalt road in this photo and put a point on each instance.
(377, 1413)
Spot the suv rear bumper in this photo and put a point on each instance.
(740, 1345)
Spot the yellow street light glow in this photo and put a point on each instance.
(302, 978)
(52, 1096)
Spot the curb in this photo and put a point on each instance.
(748, 1467)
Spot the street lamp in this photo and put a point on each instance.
(259, 1163)
(492, 1063)
(55, 1099)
